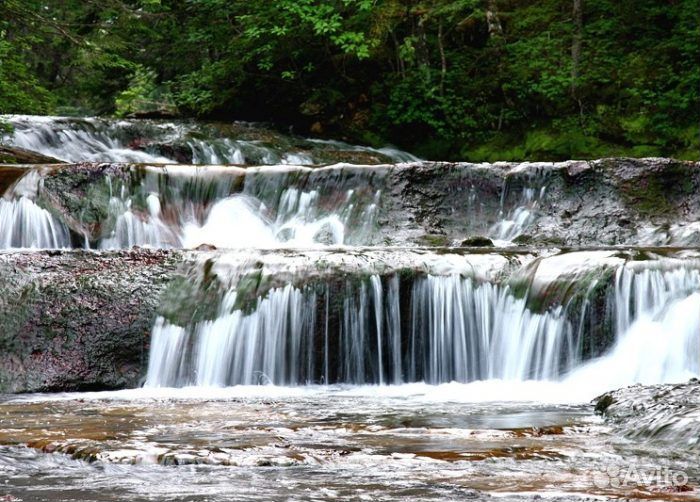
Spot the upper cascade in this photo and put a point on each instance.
(113, 206)
(158, 141)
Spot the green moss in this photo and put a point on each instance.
(250, 289)
(434, 240)
(657, 192)
(189, 300)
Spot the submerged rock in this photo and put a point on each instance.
(477, 241)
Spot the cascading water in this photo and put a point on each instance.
(444, 324)
(131, 229)
(298, 222)
(24, 224)
(657, 326)
(515, 221)
(456, 333)
(142, 141)
(281, 217)
(453, 328)
(354, 314)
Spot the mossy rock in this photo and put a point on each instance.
(477, 241)
(434, 240)
(659, 190)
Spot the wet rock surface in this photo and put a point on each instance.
(669, 414)
(78, 320)
(575, 203)
(17, 155)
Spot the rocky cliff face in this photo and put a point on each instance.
(604, 202)
(78, 320)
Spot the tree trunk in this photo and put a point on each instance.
(443, 58)
(576, 46)
(495, 27)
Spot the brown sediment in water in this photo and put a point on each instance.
(514, 452)
(538, 431)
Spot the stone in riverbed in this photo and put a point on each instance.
(477, 241)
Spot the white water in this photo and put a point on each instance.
(458, 331)
(240, 221)
(103, 140)
(516, 221)
(132, 229)
(23, 224)
(658, 326)
(194, 208)
(80, 141)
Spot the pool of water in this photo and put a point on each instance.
(418, 442)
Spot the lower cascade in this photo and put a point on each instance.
(440, 328)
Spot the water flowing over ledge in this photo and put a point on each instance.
(360, 315)
(461, 325)
(117, 206)
(158, 141)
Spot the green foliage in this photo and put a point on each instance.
(143, 96)
(450, 79)
(20, 90)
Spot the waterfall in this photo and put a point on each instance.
(269, 345)
(458, 330)
(516, 221)
(453, 328)
(658, 329)
(78, 140)
(131, 229)
(465, 332)
(23, 224)
(203, 212)
(531, 183)
(603, 315)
